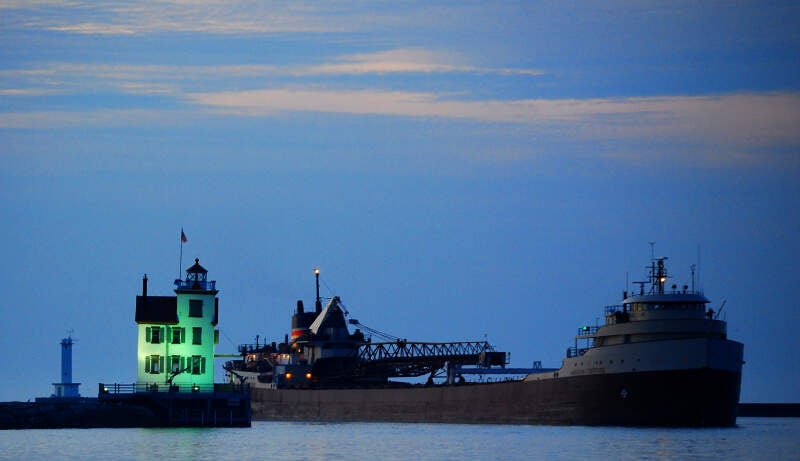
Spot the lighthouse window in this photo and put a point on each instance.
(154, 335)
(176, 364)
(197, 335)
(198, 365)
(196, 308)
(178, 335)
(153, 364)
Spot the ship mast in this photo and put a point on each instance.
(318, 305)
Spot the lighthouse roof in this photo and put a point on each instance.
(196, 268)
(157, 309)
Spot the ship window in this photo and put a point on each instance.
(195, 308)
(197, 335)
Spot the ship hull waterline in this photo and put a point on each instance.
(689, 398)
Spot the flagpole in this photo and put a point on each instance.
(180, 260)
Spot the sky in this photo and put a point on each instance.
(457, 170)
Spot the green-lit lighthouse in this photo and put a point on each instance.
(177, 334)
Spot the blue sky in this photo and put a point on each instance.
(458, 170)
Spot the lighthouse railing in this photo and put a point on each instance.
(206, 285)
(118, 389)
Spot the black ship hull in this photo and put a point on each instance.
(691, 398)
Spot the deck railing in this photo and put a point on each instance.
(587, 330)
(576, 351)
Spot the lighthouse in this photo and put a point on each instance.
(177, 334)
(66, 388)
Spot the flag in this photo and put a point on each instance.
(183, 237)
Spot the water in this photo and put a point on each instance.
(756, 438)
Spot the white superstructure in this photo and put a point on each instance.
(658, 330)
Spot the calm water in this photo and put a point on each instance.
(756, 438)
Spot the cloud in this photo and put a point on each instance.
(744, 118)
(402, 61)
(744, 129)
(740, 129)
(736, 122)
(175, 79)
(27, 92)
(203, 16)
(105, 118)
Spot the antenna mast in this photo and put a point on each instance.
(699, 284)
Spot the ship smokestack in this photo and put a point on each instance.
(300, 308)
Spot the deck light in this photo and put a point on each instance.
(288, 376)
(308, 375)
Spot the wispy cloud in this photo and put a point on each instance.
(175, 79)
(27, 92)
(403, 61)
(206, 16)
(126, 118)
(742, 118)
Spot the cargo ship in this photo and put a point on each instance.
(662, 358)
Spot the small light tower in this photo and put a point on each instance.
(66, 388)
